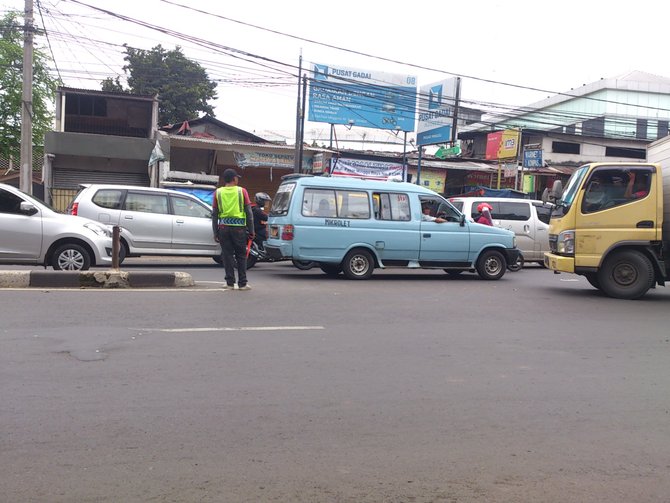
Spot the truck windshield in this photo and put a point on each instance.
(570, 192)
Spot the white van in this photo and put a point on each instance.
(353, 226)
(527, 218)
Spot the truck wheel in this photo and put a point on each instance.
(71, 257)
(592, 278)
(331, 269)
(358, 264)
(627, 274)
(491, 265)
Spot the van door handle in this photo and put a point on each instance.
(426, 235)
(128, 217)
(645, 224)
(180, 221)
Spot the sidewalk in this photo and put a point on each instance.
(95, 279)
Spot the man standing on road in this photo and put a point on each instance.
(233, 225)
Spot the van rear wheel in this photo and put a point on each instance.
(358, 264)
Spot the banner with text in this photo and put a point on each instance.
(365, 168)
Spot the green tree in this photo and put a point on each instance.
(11, 88)
(182, 85)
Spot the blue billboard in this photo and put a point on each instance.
(365, 98)
(436, 112)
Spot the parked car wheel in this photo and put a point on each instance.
(71, 257)
(626, 274)
(491, 265)
(358, 264)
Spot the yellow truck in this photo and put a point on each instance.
(611, 224)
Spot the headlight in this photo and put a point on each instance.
(98, 229)
(566, 243)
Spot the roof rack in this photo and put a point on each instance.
(291, 176)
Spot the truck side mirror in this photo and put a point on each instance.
(557, 190)
(545, 195)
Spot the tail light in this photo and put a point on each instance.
(287, 233)
(75, 209)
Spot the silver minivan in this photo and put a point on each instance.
(527, 218)
(33, 233)
(153, 221)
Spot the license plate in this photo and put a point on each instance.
(274, 231)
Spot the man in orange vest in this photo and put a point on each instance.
(233, 226)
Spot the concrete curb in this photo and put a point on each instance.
(95, 279)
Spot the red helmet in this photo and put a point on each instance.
(481, 206)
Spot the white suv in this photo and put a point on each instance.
(152, 221)
(33, 233)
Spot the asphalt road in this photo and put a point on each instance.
(408, 387)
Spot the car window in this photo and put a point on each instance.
(282, 200)
(391, 206)
(187, 207)
(458, 205)
(9, 203)
(513, 211)
(108, 198)
(352, 204)
(146, 202)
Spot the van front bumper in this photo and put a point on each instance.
(559, 263)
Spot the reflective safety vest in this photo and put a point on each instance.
(230, 203)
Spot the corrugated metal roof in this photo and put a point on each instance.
(209, 143)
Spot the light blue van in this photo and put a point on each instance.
(353, 225)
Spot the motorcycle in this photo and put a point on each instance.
(257, 253)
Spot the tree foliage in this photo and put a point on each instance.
(11, 88)
(182, 85)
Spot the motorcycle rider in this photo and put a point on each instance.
(260, 217)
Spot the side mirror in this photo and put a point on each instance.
(545, 196)
(27, 208)
(461, 220)
(557, 190)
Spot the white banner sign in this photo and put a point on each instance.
(366, 169)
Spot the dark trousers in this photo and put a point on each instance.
(233, 241)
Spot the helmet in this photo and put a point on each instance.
(481, 206)
(261, 197)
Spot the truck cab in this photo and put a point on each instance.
(607, 226)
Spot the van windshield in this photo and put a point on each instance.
(282, 200)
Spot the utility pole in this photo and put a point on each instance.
(457, 100)
(26, 170)
(298, 121)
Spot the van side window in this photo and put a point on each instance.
(494, 212)
(391, 206)
(185, 207)
(336, 203)
(108, 198)
(146, 202)
(543, 213)
(319, 203)
(512, 211)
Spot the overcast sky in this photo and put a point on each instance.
(550, 46)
